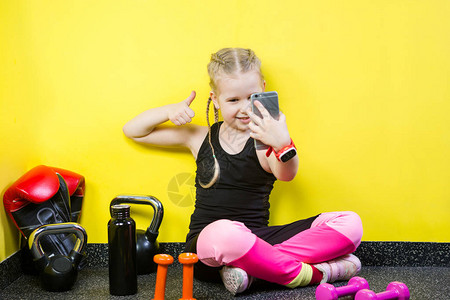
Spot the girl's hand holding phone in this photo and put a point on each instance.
(180, 113)
(268, 130)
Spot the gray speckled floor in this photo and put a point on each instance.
(424, 267)
(423, 282)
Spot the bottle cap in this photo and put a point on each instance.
(120, 211)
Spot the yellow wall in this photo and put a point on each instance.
(364, 86)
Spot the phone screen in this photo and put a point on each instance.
(270, 101)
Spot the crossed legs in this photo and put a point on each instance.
(231, 243)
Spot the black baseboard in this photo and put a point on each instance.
(10, 270)
(395, 254)
(404, 254)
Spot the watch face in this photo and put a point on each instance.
(288, 155)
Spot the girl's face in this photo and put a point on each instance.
(233, 97)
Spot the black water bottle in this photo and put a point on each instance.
(122, 252)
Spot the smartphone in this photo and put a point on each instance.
(270, 101)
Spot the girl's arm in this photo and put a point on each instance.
(275, 134)
(148, 127)
(284, 171)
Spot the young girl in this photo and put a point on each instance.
(229, 227)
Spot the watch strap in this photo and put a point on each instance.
(282, 150)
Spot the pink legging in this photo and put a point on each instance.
(331, 235)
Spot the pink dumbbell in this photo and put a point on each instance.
(327, 291)
(394, 291)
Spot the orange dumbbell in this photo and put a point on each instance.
(163, 261)
(188, 260)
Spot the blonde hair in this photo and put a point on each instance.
(232, 60)
(227, 61)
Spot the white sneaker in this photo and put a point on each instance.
(341, 268)
(235, 280)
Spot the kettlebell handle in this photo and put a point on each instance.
(51, 229)
(149, 200)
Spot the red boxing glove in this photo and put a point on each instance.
(76, 185)
(41, 196)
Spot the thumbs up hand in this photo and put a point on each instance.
(180, 113)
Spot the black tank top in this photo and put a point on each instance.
(241, 192)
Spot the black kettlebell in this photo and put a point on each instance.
(58, 272)
(146, 244)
